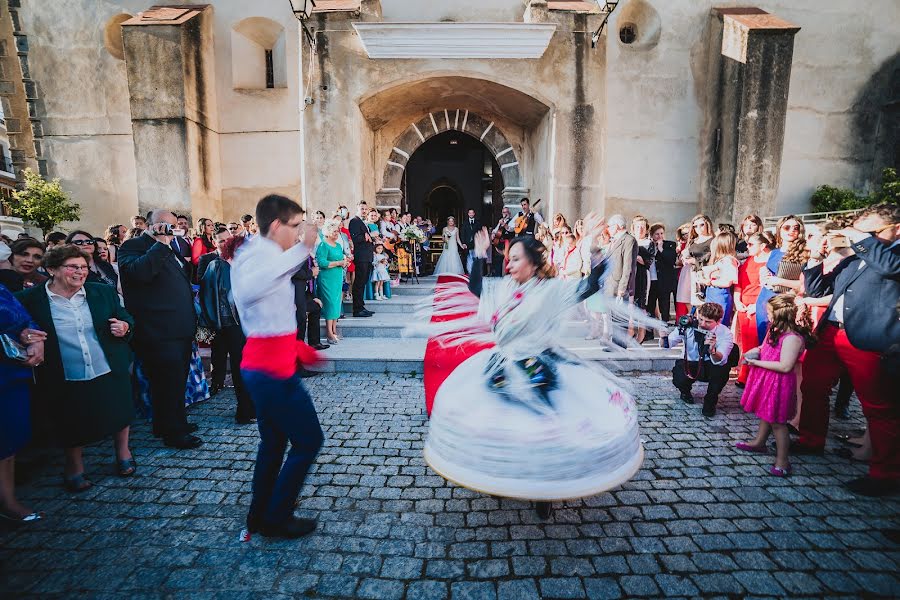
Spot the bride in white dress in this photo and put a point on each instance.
(449, 261)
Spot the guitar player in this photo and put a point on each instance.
(526, 221)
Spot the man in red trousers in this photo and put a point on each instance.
(859, 334)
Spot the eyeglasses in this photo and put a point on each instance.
(794, 227)
(83, 242)
(75, 267)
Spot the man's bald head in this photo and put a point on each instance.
(162, 216)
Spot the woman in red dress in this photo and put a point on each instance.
(745, 294)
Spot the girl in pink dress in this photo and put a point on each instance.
(771, 391)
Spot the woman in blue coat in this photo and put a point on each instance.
(15, 414)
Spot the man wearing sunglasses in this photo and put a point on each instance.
(859, 334)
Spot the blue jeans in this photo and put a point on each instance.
(284, 411)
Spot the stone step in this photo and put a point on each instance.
(361, 355)
(398, 304)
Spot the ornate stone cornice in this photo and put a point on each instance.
(455, 40)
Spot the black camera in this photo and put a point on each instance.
(686, 322)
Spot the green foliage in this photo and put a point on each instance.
(831, 199)
(43, 203)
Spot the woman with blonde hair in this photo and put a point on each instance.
(784, 267)
(559, 223)
(721, 274)
(332, 261)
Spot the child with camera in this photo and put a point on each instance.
(771, 392)
(709, 354)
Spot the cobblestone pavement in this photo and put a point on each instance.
(698, 520)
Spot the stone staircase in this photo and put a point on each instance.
(383, 344)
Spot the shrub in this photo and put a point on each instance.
(43, 203)
(827, 198)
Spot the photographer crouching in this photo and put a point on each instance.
(709, 354)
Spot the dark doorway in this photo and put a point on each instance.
(449, 174)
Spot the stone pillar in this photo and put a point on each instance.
(749, 56)
(386, 198)
(512, 197)
(170, 69)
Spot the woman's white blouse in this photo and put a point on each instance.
(82, 357)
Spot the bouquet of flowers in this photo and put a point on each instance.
(413, 235)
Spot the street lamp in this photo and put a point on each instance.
(302, 9)
(606, 9)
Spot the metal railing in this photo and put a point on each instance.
(810, 218)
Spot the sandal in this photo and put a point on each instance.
(127, 467)
(77, 483)
(779, 472)
(751, 448)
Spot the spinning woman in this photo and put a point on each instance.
(523, 418)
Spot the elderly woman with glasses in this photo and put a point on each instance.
(100, 271)
(83, 387)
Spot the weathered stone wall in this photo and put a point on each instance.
(622, 129)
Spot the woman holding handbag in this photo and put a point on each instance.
(23, 349)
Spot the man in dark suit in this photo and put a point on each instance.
(309, 309)
(470, 226)
(859, 334)
(158, 294)
(180, 245)
(363, 253)
(662, 266)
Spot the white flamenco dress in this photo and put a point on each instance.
(524, 419)
(449, 262)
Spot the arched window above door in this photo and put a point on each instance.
(258, 55)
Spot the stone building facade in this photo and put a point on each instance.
(676, 106)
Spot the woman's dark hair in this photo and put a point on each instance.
(55, 257)
(207, 240)
(55, 237)
(274, 207)
(112, 235)
(536, 252)
(72, 235)
(97, 242)
(19, 247)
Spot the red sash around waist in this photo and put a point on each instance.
(277, 356)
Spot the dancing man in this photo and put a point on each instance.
(264, 295)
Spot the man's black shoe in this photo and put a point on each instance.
(245, 421)
(322, 346)
(870, 486)
(686, 397)
(291, 529)
(183, 442)
(798, 449)
(215, 389)
(304, 373)
(709, 407)
(364, 313)
(192, 427)
(189, 428)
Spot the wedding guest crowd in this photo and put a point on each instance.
(814, 304)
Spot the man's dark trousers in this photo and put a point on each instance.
(309, 324)
(284, 411)
(363, 275)
(716, 375)
(228, 346)
(166, 364)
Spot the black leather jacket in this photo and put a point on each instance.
(217, 309)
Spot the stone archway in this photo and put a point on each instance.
(464, 121)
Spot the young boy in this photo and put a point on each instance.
(708, 349)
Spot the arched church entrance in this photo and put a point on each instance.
(485, 165)
(449, 174)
